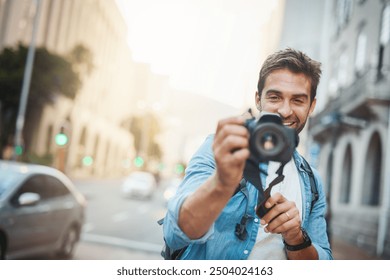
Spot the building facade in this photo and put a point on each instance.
(351, 130)
(98, 144)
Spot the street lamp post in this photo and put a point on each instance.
(18, 142)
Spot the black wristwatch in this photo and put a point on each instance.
(306, 242)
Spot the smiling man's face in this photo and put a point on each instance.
(287, 94)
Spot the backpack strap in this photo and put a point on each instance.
(241, 186)
(313, 185)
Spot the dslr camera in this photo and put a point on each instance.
(270, 140)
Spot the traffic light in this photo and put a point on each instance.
(61, 138)
(87, 161)
(139, 161)
(179, 169)
(18, 150)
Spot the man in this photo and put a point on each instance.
(203, 215)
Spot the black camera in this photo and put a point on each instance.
(270, 140)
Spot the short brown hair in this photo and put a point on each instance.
(295, 61)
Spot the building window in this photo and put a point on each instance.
(343, 12)
(383, 40)
(360, 56)
(329, 175)
(346, 179)
(372, 172)
(385, 26)
(342, 75)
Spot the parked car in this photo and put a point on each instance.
(41, 211)
(139, 184)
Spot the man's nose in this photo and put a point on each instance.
(285, 110)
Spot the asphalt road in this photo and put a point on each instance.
(114, 219)
(117, 228)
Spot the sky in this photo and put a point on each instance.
(208, 47)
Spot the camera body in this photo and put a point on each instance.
(270, 140)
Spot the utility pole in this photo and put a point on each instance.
(19, 142)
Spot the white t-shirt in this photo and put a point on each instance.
(269, 246)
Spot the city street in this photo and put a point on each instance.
(121, 228)
(113, 220)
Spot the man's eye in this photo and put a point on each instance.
(273, 98)
(299, 101)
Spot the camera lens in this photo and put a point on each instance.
(268, 141)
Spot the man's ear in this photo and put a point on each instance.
(312, 106)
(257, 101)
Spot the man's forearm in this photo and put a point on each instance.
(202, 208)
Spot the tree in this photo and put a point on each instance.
(52, 75)
(145, 130)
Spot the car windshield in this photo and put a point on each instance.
(7, 180)
(141, 177)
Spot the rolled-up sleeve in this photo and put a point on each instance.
(200, 168)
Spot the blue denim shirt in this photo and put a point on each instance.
(220, 242)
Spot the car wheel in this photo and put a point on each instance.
(69, 243)
(2, 248)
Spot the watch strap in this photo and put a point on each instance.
(306, 243)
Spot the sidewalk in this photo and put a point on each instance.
(344, 251)
(94, 251)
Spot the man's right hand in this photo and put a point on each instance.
(231, 150)
(202, 208)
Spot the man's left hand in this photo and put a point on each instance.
(283, 218)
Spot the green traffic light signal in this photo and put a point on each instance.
(179, 169)
(87, 161)
(138, 161)
(61, 139)
(18, 150)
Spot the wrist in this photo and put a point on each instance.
(222, 185)
(301, 242)
(294, 239)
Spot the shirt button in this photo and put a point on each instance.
(256, 220)
(246, 252)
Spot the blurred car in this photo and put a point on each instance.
(139, 184)
(41, 211)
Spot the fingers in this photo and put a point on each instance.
(282, 217)
(230, 127)
(231, 150)
(231, 139)
(276, 198)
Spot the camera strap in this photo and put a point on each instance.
(252, 174)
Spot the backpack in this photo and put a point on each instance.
(169, 254)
